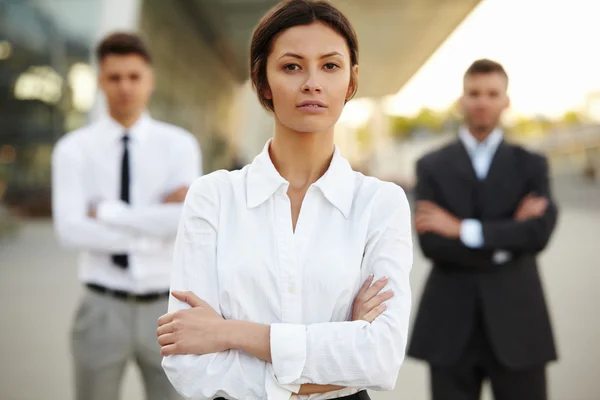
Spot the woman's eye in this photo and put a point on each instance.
(331, 66)
(291, 67)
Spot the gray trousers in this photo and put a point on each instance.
(109, 332)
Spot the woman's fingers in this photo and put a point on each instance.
(166, 328)
(375, 288)
(363, 290)
(369, 298)
(379, 299)
(166, 318)
(166, 339)
(169, 350)
(374, 313)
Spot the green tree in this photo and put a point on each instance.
(571, 118)
(429, 119)
(529, 127)
(401, 127)
(364, 137)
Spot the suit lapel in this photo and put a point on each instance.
(500, 180)
(459, 181)
(462, 163)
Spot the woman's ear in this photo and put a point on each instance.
(266, 93)
(353, 86)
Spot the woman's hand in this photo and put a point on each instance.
(367, 306)
(368, 303)
(197, 330)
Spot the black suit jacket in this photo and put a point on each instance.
(466, 281)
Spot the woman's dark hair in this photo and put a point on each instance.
(123, 43)
(285, 15)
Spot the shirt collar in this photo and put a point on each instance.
(136, 132)
(473, 145)
(337, 184)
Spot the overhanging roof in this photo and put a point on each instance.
(395, 36)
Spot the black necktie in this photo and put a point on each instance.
(121, 259)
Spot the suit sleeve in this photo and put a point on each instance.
(435, 247)
(531, 235)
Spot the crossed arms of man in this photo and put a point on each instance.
(446, 238)
(156, 220)
(114, 226)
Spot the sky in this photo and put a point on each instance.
(550, 49)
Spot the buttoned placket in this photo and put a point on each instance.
(291, 248)
(287, 260)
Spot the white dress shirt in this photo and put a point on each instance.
(86, 174)
(236, 250)
(481, 155)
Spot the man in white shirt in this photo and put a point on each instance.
(118, 188)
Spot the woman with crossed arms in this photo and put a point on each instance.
(268, 293)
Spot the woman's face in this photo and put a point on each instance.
(308, 72)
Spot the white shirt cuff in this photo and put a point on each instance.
(288, 351)
(471, 233)
(501, 257)
(110, 211)
(148, 245)
(275, 390)
(292, 388)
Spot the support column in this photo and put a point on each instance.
(380, 130)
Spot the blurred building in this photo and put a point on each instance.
(200, 49)
(46, 87)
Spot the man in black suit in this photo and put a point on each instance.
(484, 212)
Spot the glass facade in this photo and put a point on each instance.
(47, 86)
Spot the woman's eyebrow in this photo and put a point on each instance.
(298, 56)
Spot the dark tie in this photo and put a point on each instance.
(121, 259)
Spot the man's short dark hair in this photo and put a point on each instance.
(123, 43)
(485, 66)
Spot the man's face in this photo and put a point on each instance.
(483, 101)
(128, 82)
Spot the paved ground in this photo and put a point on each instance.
(39, 291)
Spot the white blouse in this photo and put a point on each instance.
(236, 249)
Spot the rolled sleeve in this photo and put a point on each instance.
(288, 351)
(471, 233)
(160, 220)
(111, 212)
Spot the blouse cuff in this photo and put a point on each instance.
(288, 351)
(276, 391)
